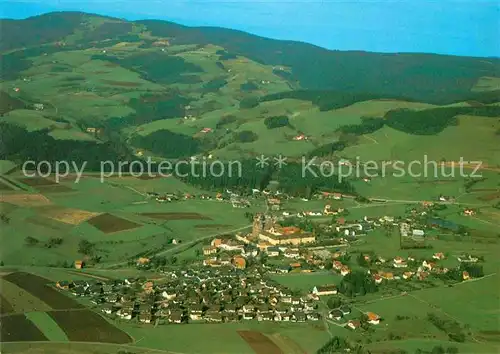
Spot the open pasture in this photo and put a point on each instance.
(474, 303)
(66, 215)
(7, 166)
(305, 282)
(109, 223)
(25, 199)
(408, 188)
(390, 144)
(39, 287)
(46, 222)
(260, 343)
(88, 326)
(404, 316)
(69, 348)
(6, 208)
(211, 226)
(411, 346)
(176, 216)
(490, 196)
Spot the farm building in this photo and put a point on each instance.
(325, 290)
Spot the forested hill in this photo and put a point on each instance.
(431, 78)
(103, 87)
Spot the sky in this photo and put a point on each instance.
(455, 27)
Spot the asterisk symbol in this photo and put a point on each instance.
(280, 161)
(262, 161)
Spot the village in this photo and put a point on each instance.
(233, 280)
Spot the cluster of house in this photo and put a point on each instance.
(234, 199)
(269, 239)
(170, 197)
(469, 212)
(236, 251)
(216, 257)
(340, 312)
(359, 227)
(205, 294)
(409, 268)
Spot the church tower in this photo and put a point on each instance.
(258, 224)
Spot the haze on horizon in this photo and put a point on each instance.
(454, 27)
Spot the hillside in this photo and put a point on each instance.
(75, 79)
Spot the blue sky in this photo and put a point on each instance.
(457, 27)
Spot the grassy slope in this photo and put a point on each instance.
(48, 326)
(69, 82)
(112, 196)
(474, 139)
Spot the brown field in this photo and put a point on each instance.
(25, 199)
(211, 226)
(260, 343)
(88, 326)
(36, 181)
(176, 216)
(40, 288)
(17, 328)
(20, 301)
(5, 306)
(109, 223)
(122, 83)
(56, 188)
(66, 215)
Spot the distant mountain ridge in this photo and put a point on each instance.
(102, 86)
(432, 78)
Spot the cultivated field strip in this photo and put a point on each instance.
(109, 223)
(88, 326)
(5, 306)
(19, 300)
(40, 288)
(77, 322)
(18, 328)
(176, 216)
